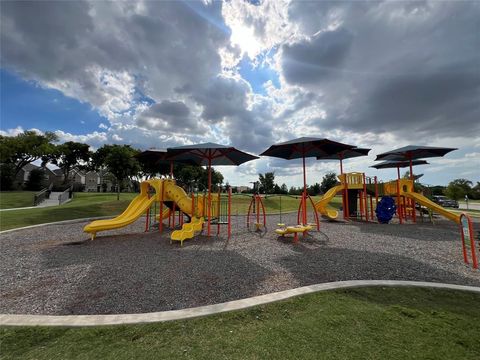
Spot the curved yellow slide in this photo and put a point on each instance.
(184, 202)
(141, 203)
(422, 200)
(322, 205)
(179, 196)
(135, 209)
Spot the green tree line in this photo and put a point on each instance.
(119, 160)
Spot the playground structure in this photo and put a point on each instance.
(170, 201)
(162, 199)
(358, 192)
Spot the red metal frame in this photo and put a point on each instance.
(257, 201)
(229, 226)
(399, 204)
(472, 241)
(147, 220)
(365, 197)
(160, 225)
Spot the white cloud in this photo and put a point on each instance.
(375, 74)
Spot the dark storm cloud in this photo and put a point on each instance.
(312, 60)
(164, 45)
(411, 68)
(171, 116)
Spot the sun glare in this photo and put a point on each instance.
(245, 38)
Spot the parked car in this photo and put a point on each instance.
(445, 202)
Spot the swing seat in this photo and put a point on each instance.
(293, 229)
(281, 224)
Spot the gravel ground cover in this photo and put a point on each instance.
(56, 270)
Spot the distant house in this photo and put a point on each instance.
(24, 173)
(22, 177)
(241, 189)
(91, 181)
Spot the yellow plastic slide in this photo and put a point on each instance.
(422, 200)
(137, 207)
(188, 230)
(322, 205)
(140, 204)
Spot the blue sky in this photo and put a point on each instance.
(159, 74)
(26, 104)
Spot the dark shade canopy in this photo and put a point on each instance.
(305, 147)
(210, 154)
(160, 157)
(218, 154)
(412, 152)
(345, 154)
(398, 164)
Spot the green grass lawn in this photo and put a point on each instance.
(14, 199)
(364, 323)
(274, 203)
(83, 205)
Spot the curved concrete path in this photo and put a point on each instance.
(96, 320)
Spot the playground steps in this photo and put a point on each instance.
(187, 231)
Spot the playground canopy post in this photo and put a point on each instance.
(392, 164)
(302, 148)
(414, 152)
(210, 154)
(342, 155)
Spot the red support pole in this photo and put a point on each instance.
(413, 189)
(264, 213)
(229, 211)
(171, 169)
(376, 191)
(346, 213)
(257, 204)
(160, 224)
(343, 190)
(218, 213)
(365, 195)
(360, 202)
(399, 205)
(209, 189)
(304, 193)
(173, 215)
(250, 209)
(147, 220)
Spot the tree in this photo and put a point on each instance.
(70, 154)
(7, 176)
(475, 193)
(119, 161)
(284, 189)
(276, 189)
(458, 188)
(36, 180)
(329, 180)
(315, 189)
(25, 148)
(267, 182)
